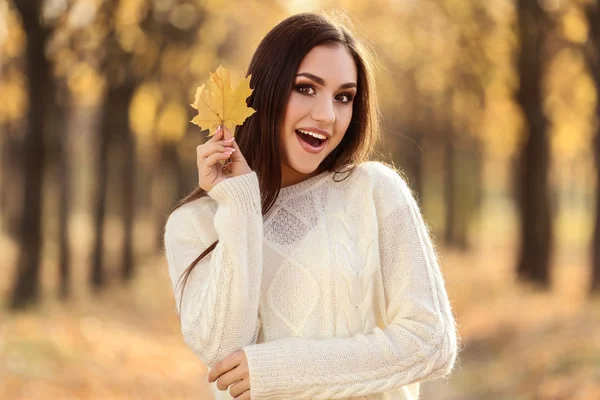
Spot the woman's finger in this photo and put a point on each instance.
(211, 160)
(244, 396)
(234, 380)
(237, 155)
(205, 150)
(218, 135)
(239, 388)
(227, 134)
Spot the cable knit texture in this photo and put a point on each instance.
(343, 300)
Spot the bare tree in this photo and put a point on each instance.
(26, 287)
(114, 131)
(58, 146)
(462, 145)
(533, 164)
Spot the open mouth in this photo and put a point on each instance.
(310, 141)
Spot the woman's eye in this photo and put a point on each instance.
(309, 90)
(345, 97)
(304, 89)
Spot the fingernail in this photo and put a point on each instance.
(229, 141)
(219, 128)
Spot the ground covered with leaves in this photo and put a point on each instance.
(518, 342)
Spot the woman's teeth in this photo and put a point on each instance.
(316, 135)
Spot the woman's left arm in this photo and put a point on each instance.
(419, 343)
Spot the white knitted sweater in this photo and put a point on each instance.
(336, 293)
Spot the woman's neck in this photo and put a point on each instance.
(290, 176)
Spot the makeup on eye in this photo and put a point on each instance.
(321, 81)
(305, 88)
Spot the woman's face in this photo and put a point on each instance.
(321, 103)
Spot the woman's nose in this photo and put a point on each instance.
(323, 111)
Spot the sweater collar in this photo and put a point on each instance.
(302, 187)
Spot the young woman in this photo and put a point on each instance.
(301, 270)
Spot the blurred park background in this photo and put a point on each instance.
(491, 109)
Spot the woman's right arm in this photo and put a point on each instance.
(219, 309)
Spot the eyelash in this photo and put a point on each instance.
(299, 89)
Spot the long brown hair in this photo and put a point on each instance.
(273, 68)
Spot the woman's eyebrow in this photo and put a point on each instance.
(321, 81)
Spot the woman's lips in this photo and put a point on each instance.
(308, 148)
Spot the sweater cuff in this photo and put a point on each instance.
(240, 191)
(268, 377)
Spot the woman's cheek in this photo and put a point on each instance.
(299, 100)
(344, 119)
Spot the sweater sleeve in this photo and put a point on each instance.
(418, 343)
(219, 309)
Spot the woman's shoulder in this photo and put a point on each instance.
(196, 215)
(389, 187)
(382, 174)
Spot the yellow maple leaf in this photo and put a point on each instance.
(220, 104)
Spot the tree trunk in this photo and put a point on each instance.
(11, 178)
(58, 180)
(26, 286)
(97, 275)
(461, 185)
(129, 181)
(449, 183)
(533, 186)
(410, 142)
(64, 166)
(476, 183)
(170, 162)
(593, 59)
(595, 284)
(114, 132)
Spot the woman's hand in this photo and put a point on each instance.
(230, 370)
(209, 155)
